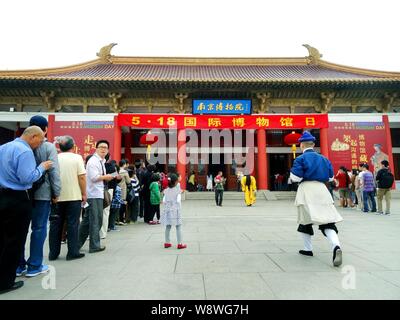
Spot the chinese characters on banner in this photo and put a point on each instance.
(351, 143)
(178, 121)
(221, 107)
(86, 134)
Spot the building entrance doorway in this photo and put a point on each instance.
(279, 167)
(216, 164)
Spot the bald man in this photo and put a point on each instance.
(18, 171)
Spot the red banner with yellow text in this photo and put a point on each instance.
(166, 121)
(352, 143)
(86, 134)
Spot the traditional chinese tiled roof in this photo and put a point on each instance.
(204, 70)
(208, 73)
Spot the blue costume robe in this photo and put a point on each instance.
(313, 200)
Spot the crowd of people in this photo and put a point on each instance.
(89, 200)
(81, 200)
(359, 187)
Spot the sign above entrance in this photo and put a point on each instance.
(181, 121)
(221, 107)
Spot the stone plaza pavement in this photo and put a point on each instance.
(234, 252)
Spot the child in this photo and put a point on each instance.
(172, 211)
(116, 203)
(133, 204)
(155, 198)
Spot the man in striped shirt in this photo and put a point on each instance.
(368, 187)
(133, 195)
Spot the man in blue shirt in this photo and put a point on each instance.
(48, 189)
(313, 200)
(18, 171)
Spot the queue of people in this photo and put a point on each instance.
(358, 188)
(85, 200)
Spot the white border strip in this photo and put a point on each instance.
(85, 117)
(353, 117)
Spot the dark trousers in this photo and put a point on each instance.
(369, 195)
(112, 217)
(91, 224)
(141, 204)
(219, 194)
(134, 209)
(122, 213)
(147, 208)
(155, 210)
(70, 212)
(15, 214)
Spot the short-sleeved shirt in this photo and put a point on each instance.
(71, 166)
(343, 180)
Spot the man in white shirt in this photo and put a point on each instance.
(73, 194)
(93, 217)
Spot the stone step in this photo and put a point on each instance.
(234, 195)
(264, 194)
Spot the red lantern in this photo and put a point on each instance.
(292, 139)
(148, 139)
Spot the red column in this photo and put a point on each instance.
(262, 179)
(50, 127)
(128, 145)
(323, 142)
(117, 140)
(181, 157)
(385, 119)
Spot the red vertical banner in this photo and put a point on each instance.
(262, 183)
(351, 143)
(181, 157)
(389, 145)
(85, 134)
(50, 126)
(116, 141)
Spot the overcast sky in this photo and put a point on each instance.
(44, 33)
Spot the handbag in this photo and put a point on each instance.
(106, 199)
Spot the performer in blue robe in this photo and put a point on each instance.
(313, 200)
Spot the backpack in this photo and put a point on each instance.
(130, 197)
(38, 183)
(386, 179)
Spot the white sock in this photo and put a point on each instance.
(333, 238)
(307, 241)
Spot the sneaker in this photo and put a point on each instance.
(306, 253)
(20, 271)
(387, 213)
(379, 212)
(33, 273)
(114, 229)
(181, 246)
(167, 245)
(337, 256)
